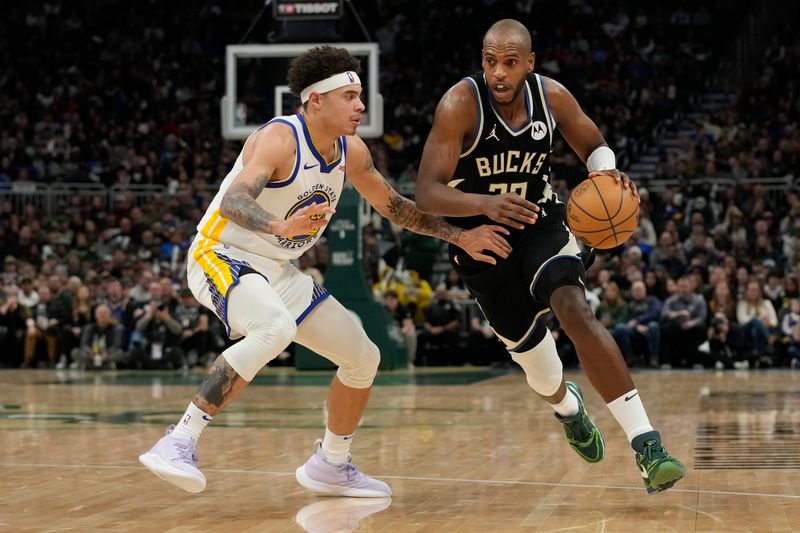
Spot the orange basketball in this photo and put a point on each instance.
(602, 212)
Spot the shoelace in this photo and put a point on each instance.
(650, 449)
(349, 470)
(579, 430)
(187, 453)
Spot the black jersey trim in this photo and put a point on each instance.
(479, 126)
(547, 103)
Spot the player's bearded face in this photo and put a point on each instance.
(505, 68)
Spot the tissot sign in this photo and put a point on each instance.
(307, 9)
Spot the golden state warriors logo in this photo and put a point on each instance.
(317, 197)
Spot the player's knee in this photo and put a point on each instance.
(542, 366)
(264, 338)
(574, 314)
(359, 371)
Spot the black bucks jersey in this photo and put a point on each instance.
(515, 293)
(500, 159)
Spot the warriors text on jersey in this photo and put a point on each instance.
(499, 159)
(312, 181)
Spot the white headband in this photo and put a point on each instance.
(329, 84)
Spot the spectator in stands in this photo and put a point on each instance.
(774, 289)
(484, 346)
(790, 229)
(438, 341)
(722, 302)
(655, 285)
(12, 326)
(80, 317)
(401, 316)
(156, 339)
(724, 342)
(683, 325)
(668, 255)
(101, 343)
(455, 287)
(790, 328)
(742, 277)
(199, 340)
(415, 294)
(758, 320)
(44, 325)
(10, 273)
(27, 296)
(733, 225)
(643, 328)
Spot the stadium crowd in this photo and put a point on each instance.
(710, 277)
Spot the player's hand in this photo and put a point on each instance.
(304, 221)
(485, 238)
(620, 177)
(510, 209)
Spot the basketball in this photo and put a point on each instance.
(602, 212)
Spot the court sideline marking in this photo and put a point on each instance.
(417, 478)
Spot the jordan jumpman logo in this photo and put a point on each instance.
(493, 134)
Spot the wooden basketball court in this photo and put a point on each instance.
(465, 450)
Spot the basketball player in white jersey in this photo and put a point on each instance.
(487, 159)
(273, 206)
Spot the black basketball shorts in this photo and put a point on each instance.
(515, 294)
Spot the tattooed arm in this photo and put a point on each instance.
(403, 212)
(265, 155)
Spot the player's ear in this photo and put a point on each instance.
(315, 100)
(531, 61)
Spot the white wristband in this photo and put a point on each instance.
(601, 159)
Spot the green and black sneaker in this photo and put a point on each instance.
(659, 469)
(583, 436)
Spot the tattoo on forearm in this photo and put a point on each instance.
(218, 384)
(404, 212)
(239, 204)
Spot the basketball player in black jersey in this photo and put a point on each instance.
(487, 158)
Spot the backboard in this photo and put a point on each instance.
(256, 89)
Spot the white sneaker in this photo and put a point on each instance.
(318, 475)
(174, 459)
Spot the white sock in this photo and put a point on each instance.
(568, 406)
(336, 448)
(192, 423)
(630, 413)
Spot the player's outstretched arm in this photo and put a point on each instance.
(453, 124)
(403, 212)
(264, 153)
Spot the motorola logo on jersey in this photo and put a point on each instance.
(316, 197)
(511, 161)
(539, 130)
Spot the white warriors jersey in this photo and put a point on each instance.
(312, 181)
